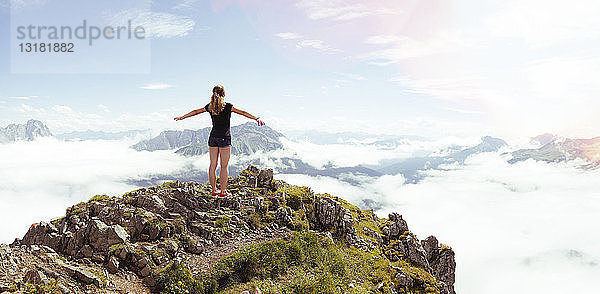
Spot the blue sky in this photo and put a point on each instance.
(512, 69)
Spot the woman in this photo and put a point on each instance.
(219, 142)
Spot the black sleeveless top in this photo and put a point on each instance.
(221, 122)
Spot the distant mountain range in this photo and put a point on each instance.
(248, 138)
(100, 135)
(411, 167)
(24, 132)
(320, 137)
(558, 149)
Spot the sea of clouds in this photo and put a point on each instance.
(523, 228)
(40, 179)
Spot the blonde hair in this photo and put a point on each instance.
(217, 101)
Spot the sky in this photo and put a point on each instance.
(431, 68)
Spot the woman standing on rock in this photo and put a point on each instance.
(219, 142)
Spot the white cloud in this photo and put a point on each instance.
(20, 4)
(156, 24)
(458, 89)
(42, 178)
(396, 48)
(293, 95)
(23, 97)
(384, 39)
(63, 119)
(340, 10)
(288, 36)
(159, 86)
(316, 44)
(354, 153)
(103, 107)
(185, 5)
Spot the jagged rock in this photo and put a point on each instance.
(149, 281)
(151, 203)
(409, 247)
(431, 246)
(101, 236)
(373, 234)
(259, 204)
(442, 262)
(82, 275)
(328, 214)
(35, 277)
(253, 169)
(169, 246)
(283, 216)
(404, 280)
(396, 226)
(112, 265)
(42, 233)
(86, 251)
(265, 177)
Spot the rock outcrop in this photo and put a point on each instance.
(126, 243)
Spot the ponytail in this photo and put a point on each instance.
(217, 101)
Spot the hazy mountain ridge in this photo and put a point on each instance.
(559, 149)
(29, 131)
(247, 139)
(411, 167)
(177, 235)
(101, 135)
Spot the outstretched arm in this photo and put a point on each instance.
(248, 115)
(191, 113)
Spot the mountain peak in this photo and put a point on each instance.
(270, 234)
(247, 138)
(29, 131)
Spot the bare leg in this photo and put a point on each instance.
(212, 169)
(225, 153)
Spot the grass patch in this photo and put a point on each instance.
(99, 198)
(222, 222)
(304, 263)
(295, 196)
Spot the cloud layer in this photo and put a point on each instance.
(41, 179)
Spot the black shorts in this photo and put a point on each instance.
(219, 142)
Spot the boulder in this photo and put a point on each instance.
(283, 216)
(112, 265)
(82, 275)
(101, 236)
(395, 227)
(410, 248)
(330, 214)
(442, 262)
(35, 277)
(265, 178)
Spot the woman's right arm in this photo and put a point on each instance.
(191, 113)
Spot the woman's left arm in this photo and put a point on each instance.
(248, 115)
(191, 113)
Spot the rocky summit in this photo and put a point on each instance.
(270, 237)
